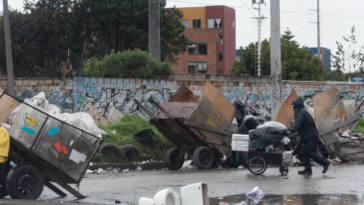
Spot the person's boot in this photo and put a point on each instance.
(326, 167)
(305, 172)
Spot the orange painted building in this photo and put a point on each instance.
(212, 31)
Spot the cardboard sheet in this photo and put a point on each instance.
(183, 94)
(286, 113)
(96, 115)
(321, 101)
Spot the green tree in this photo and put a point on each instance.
(347, 59)
(126, 64)
(298, 63)
(121, 25)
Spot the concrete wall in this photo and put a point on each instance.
(57, 92)
(254, 91)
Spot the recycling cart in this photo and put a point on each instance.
(45, 150)
(258, 161)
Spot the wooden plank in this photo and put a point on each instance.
(54, 188)
(321, 101)
(144, 109)
(96, 115)
(219, 101)
(286, 112)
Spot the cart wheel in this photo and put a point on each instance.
(203, 158)
(257, 165)
(131, 152)
(24, 182)
(108, 146)
(283, 170)
(172, 159)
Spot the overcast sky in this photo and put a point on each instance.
(338, 16)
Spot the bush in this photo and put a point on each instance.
(125, 130)
(126, 64)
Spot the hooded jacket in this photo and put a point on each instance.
(304, 123)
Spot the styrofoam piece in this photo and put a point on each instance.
(145, 201)
(240, 143)
(167, 197)
(195, 194)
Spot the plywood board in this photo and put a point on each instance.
(7, 105)
(286, 113)
(222, 104)
(330, 117)
(96, 115)
(321, 101)
(183, 94)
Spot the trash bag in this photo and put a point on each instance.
(350, 149)
(265, 136)
(28, 93)
(146, 136)
(249, 123)
(240, 112)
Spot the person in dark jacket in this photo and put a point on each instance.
(306, 127)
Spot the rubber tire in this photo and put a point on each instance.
(197, 158)
(171, 161)
(130, 150)
(13, 177)
(261, 171)
(109, 146)
(283, 170)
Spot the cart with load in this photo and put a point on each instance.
(45, 150)
(200, 127)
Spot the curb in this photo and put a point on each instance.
(131, 166)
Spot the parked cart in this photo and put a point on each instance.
(45, 150)
(200, 127)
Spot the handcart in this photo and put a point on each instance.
(45, 150)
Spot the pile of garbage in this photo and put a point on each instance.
(80, 120)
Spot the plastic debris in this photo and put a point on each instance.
(125, 170)
(108, 169)
(240, 167)
(91, 164)
(100, 170)
(139, 168)
(333, 198)
(256, 195)
(187, 165)
(89, 171)
(114, 131)
(5, 125)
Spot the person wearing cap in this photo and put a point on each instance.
(306, 127)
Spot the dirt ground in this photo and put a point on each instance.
(129, 187)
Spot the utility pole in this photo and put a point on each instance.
(276, 62)
(154, 30)
(9, 54)
(318, 29)
(259, 31)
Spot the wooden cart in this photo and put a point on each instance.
(45, 150)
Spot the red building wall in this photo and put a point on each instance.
(228, 34)
(199, 35)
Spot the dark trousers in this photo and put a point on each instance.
(309, 151)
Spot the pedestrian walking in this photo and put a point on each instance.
(306, 127)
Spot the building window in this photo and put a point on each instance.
(202, 67)
(192, 49)
(220, 57)
(186, 23)
(215, 23)
(196, 23)
(220, 40)
(233, 24)
(192, 67)
(202, 48)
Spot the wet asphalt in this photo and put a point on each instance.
(106, 188)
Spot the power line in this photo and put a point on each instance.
(295, 12)
(301, 29)
(293, 2)
(295, 18)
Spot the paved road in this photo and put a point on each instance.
(129, 187)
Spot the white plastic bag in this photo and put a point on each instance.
(285, 140)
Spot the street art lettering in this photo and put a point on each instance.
(215, 118)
